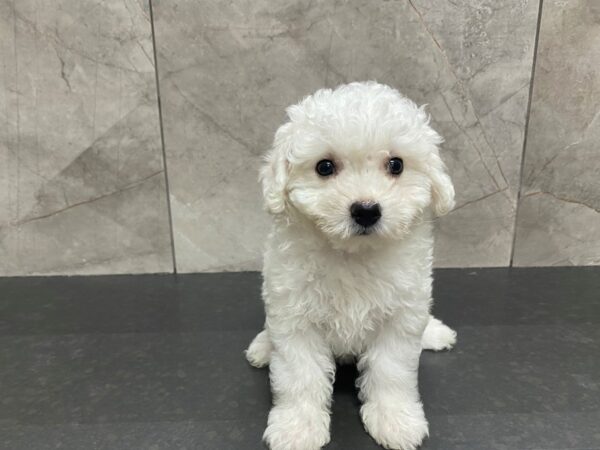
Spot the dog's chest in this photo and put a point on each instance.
(349, 302)
(347, 297)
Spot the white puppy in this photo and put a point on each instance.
(353, 181)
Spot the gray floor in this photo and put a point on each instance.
(155, 362)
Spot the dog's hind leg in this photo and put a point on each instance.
(437, 336)
(259, 352)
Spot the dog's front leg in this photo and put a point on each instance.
(302, 371)
(392, 411)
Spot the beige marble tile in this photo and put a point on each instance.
(81, 169)
(228, 70)
(559, 211)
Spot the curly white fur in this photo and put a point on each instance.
(332, 292)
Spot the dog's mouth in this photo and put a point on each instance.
(365, 231)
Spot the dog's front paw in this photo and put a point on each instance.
(294, 428)
(398, 426)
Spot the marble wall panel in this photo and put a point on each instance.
(81, 171)
(228, 69)
(559, 211)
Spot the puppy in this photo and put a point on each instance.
(353, 181)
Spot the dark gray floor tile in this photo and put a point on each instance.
(550, 431)
(515, 369)
(121, 304)
(155, 362)
(129, 378)
(191, 435)
(528, 296)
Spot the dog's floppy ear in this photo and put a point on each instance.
(274, 172)
(442, 189)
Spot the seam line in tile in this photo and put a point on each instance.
(526, 130)
(162, 137)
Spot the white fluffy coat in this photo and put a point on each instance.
(332, 291)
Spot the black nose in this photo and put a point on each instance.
(365, 214)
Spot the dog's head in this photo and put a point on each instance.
(360, 162)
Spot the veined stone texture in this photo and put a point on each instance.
(227, 71)
(559, 211)
(81, 170)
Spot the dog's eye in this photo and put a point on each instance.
(395, 166)
(325, 168)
